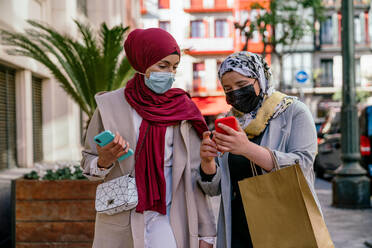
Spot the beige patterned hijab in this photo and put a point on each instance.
(273, 104)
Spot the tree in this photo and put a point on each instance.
(247, 31)
(84, 66)
(281, 25)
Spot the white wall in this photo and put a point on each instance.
(337, 71)
(209, 44)
(61, 132)
(113, 12)
(370, 23)
(211, 74)
(61, 116)
(366, 72)
(292, 63)
(365, 69)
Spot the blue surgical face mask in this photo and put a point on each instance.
(159, 82)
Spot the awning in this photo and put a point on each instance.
(212, 105)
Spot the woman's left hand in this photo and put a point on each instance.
(203, 244)
(235, 142)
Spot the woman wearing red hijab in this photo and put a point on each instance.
(164, 128)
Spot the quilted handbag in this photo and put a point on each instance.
(117, 195)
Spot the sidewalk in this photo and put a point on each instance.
(349, 228)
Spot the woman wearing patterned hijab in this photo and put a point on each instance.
(267, 119)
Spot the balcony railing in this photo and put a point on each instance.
(337, 3)
(208, 10)
(324, 84)
(198, 86)
(198, 7)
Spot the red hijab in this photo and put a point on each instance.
(145, 47)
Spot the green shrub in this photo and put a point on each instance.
(64, 173)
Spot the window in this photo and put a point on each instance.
(165, 25)
(163, 4)
(196, 4)
(326, 36)
(357, 73)
(221, 28)
(8, 152)
(327, 73)
(37, 123)
(358, 30)
(292, 65)
(82, 7)
(198, 77)
(220, 3)
(198, 29)
(329, 2)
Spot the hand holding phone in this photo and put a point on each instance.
(105, 140)
(228, 121)
(208, 151)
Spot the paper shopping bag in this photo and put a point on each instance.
(281, 211)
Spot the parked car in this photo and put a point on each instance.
(365, 129)
(329, 144)
(328, 158)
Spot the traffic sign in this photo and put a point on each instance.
(302, 77)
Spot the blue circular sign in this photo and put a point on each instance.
(302, 77)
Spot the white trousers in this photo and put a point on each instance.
(158, 231)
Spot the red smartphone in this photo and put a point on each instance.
(228, 121)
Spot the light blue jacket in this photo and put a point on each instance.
(292, 138)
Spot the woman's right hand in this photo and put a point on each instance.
(208, 151)
(108, 154)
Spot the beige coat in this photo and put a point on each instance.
(190, 214)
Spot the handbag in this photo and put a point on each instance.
(117, 195)
(281, 211)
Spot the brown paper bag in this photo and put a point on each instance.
(281, 211)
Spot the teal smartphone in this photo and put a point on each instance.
(105, 138)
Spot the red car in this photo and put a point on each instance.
(365, 129)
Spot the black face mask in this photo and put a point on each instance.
(244, 99)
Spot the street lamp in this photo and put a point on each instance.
(350, 186)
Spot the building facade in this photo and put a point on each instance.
(206, 33)
(205, 30)
(320, 56)
(327, 54)
(38, 120)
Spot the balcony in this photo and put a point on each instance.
(198, 86)
(247, 4)
(331, 4)
(208, 10)
(209, 45)
(198, 6)
(324, 84)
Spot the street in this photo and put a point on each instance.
(129, 70)
(349, 228)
